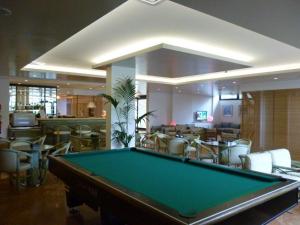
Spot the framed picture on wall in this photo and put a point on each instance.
(228, 110)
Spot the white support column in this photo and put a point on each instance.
(4, 104)
(114, 74)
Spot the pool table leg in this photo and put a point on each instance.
(107, 218)
(72, 200)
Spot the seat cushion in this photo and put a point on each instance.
(260, 162)
(24, 166)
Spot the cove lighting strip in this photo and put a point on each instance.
(65, 70)
(248, 72)
(240, 73)
(171, 43)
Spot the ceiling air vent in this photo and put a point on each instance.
(4, 11)
(152, 2)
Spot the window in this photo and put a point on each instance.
(141, 109)
(32, 98)
(227, 95)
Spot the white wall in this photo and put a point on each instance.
(182, 107)
(161, 102)
(236, 117)
(4, 102)
(178, 107)
(185, 106)
(62, 106)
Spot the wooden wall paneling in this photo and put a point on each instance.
(294, 124)
(99, 106)
(250, 118)
(266, 120)
(280, 127)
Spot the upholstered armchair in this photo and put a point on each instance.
(282, 162)
(259, 161)
(11, 164)
(177, 146)
(231, 155)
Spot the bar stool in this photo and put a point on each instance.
(61, 132)
(83, 129)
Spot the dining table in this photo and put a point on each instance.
(35, 152)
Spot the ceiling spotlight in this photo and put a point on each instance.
(234, 82)
(5, 11)
(26, 80)
(19, 83)
(91, 88)
(275, 78)
(151, 2)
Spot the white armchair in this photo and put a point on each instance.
(260, 162)
(177, 146)
(231, 155)
(282, 162)
(10, 163)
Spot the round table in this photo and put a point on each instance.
(220, 146)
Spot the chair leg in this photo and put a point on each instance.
(18, 183)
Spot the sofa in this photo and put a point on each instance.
(228, 128)
(180, 129)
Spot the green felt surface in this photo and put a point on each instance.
(185, 187)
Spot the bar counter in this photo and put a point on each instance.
(48, 126)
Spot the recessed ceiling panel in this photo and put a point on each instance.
(170, 63)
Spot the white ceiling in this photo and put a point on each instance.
(136, 27)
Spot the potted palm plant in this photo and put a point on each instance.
(123, 103)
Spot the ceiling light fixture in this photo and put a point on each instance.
(275, 78)
(151, 2)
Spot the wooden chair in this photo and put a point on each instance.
(228, 136)
(162, 142)
(148, 141)
(204, 153)
(11, 164)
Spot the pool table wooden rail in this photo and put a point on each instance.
(134, 208)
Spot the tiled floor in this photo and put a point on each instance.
(45, 205)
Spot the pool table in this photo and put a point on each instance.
(138, 187)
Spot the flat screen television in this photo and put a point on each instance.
(201, 116)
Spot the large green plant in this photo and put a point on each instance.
(123, 103)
